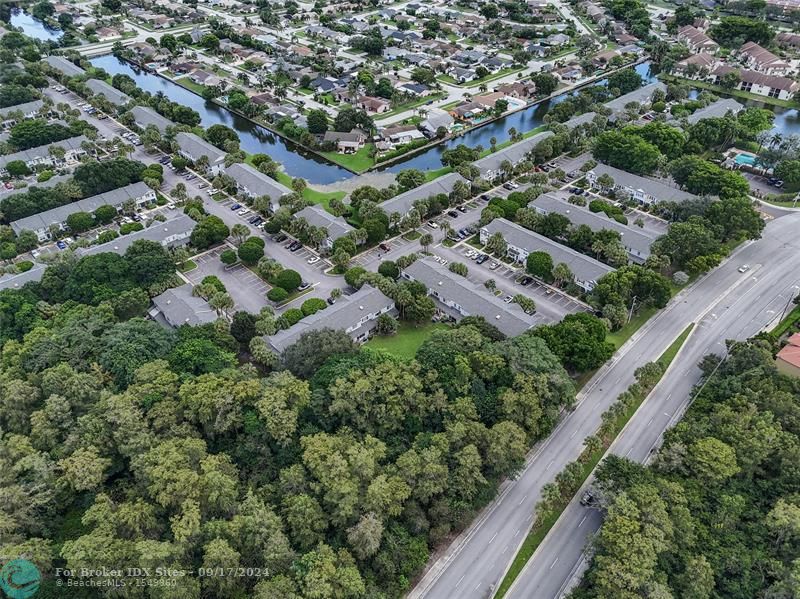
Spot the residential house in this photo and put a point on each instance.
(458, 297)
(354, 314)
(179, 306)
(192, 147)
(320, 31)
(346, 142)
(521, 242)
(401, 204)
(317, 216)
(519, 90)
(112, 94)
(462, 74)
(41, 156)
(642, 96)
(788, 359)
(418, 90)
(718, 109)
(490, 166)
(580, 120)
(635, 240)
(145, 116)
(106, 33)
(435, 119)
(28, 110)
(602, 59)
(64, 66)
(557, 40)
(696, 40)
(762, 60)
(641, 189)
(696, 65)
(201, 77)
(170, 234)
(569, 73)
(254, 184)
(468, 111)
(373, 105)
(489, 100)
(772, 86)
(788, 39)
(401, 134)
(138, 193)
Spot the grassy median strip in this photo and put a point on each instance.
(586, 463)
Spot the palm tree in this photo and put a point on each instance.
(493, 144)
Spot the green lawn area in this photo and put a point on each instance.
(439, 172)
(618, 338)
(312, 195)
(588, 463)
(406, 341)
(358, 162)
(187, 266)
(410, 105)
(190, 85)
(476, 82)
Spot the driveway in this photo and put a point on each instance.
(248, 291)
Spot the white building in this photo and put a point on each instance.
(254, 184)
(41, 156)
(193, 148)
(641, 189)
(317, 216)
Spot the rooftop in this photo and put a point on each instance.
(317, 216)
(73, 143)
(657, 189)
(256, 182)
(514, 153)
(112, 94)
(145, 116)
(179, 306)
(474, 299)
(404, 202)
(159, 232)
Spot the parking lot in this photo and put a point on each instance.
(551, 304)
(248, 291)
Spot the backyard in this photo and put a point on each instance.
(406, 341)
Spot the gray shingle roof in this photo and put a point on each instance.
(586, 117)
(405, 201)
(715, 110)
(18, 280)
(583, 267)
(178, 306)
(640, 96)
(196, 147)
(73, 143)
(632, 237)
(112, 94)
(345, 313)
(514, 153)
(64, 66)
(144, 116)
(26, 108)
(115, 197)
(159, 232)
(657, 189)
(319, 217)
(256, 182)
(475, 300)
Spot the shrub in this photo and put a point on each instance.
(288, 279)
(272, 227)
(107, 236)
(680, 278)
(24, 265)
(250, 252)
(389, 269)
(228, 257)
(293, 315)
(277, 294)
(214, 281)
(130, 228)
(313, 305)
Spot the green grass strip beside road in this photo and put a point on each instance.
(588, 461)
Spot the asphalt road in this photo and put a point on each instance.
(475, 562)
(757, 300)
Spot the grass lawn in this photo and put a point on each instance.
(588, 463)
(190, 85)
(405, 342)
(410, 105)
(439, 172)
(358, 162)
(621, 336)
(476, 82)
(187, 266)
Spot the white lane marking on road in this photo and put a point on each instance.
(504, 550)
(582, 521)
(667, 415)
(529, 518)
(549, 465)
(459, 581)
(523, 499)
(477, 586)
(627, 453)
(668, 396)
(649, 422)
(554, 563)
(492, 539)
(516, 533)
(575, 432)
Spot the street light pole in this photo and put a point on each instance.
(633, 303)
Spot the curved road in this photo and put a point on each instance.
(475, 562)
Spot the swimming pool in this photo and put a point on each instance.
(747, 159)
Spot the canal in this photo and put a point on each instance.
(298, 162)
(34, 27)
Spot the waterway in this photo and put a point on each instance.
(33, 27)
(298, 162)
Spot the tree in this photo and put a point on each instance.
(626, 151)
(243, 327)
(229, 257)
(288, 280)
(84, 469)
(711, 460)
(527, 304)
(250, 252)
(210, 231)
(625, 80)
(579, 341)
(78, 222)
(410, 178)
(789, 172)
(734, 31)
(365, 536)
(18, 168)
(458, 268)
(240, 232)
(309, 352)
(386, 324)
(540, 265)
(425, 241)
(389, 269)
(420, 309)
(317, 121)
(496, 244)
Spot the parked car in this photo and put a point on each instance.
(236, 207)
(433, 224)
(452, 214)
(525, 281)
(331, 301)
(384, 247)
(484, 197)
(61, 245)
(303, 286)
(744, 268)
(482, 258)
(278, 237)
(243, 211)
(494, 265)
(462, 208)
(313, 260)
(508, 299)
(295, 246)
